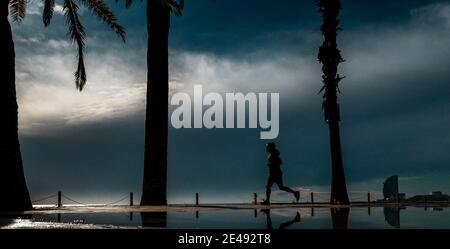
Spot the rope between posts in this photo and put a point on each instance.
(43, 199)
(75, 201)
(115, 202)
(72, 200)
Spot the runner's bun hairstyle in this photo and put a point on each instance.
(271, 144)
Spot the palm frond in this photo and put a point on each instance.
(101, 11)
(175, 6)
(77, 35)
(80, 74)
(17, 10)
(49, 7)
(128, 3)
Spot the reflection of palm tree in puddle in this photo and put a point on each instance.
(154, 219)
(339, 217)
(283, 225)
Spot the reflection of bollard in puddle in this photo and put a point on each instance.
(197, 203)
(255, 202)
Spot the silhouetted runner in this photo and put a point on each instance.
(275, 175)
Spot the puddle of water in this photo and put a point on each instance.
(283, 218)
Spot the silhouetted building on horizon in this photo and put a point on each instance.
(390, 188)
(434, 196)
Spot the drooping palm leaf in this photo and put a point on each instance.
(49, 7)
(17, 10)
(175, 6)
(127, 3)
(77, 35)
(76, 29)
(101, 10)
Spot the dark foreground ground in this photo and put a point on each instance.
(276, 216)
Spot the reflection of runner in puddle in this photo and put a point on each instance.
(283, 225)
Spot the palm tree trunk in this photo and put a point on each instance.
(14, 194)
(339, 218)
(154, 219)
(154, 190)
(330, 57)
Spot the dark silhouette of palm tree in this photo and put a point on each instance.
(14, 195)
(330, 57)
(339, 218)
(154, 219)
(154, 190)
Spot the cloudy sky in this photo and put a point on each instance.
(394, 102)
